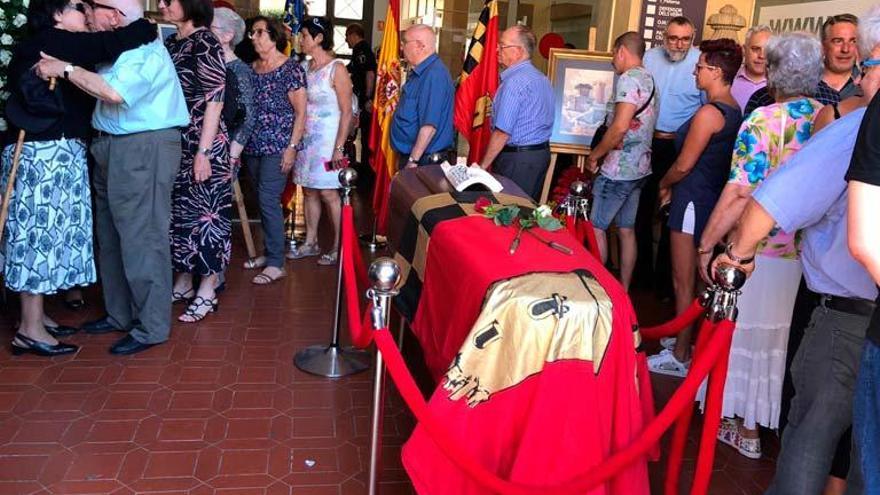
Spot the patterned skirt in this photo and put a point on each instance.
(48, 239)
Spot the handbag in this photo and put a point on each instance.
(602, 129)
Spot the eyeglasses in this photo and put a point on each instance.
(679, 39)
(867, 64)
(255, 33)
(502, 47)
(79, 7)
(99, 5)
(706, 66)
(404, 42)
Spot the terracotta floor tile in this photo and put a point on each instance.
(220, 408)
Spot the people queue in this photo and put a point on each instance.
(726, 139)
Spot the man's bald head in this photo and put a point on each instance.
(419, 42)
(133, 10)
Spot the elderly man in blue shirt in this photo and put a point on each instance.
(523, 115)
(672, 66)
(138, 118)
(824, 368)
(421, 129)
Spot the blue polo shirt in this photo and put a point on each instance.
(426, 99)
(523, 105)
(677, 90)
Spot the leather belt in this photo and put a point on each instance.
(529, 147)
(104, 134)
(664, 135)
(851, 305)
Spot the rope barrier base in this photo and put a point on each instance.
(332, 361)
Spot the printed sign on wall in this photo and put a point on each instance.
(807, 16)
(657, 13)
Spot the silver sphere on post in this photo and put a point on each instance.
(730, 278)
(578, 188)
(348, 177)
(384, 273)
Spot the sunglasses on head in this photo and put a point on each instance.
(99, 5)
(79, 7)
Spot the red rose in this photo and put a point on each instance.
(481, 204)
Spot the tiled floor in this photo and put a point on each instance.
(221, 409)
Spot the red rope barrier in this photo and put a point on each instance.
(674, 325)
(360, 330)
(681, 399)
(683, 423)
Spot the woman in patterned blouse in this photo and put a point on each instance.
(201, 201)
(766, 139)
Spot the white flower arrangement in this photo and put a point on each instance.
(13, 21)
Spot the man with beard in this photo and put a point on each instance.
(672, 66)
(752, 76)
(839, 39)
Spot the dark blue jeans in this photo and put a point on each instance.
(866, 417)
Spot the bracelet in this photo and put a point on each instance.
(412, 160)
(703, 251)
(340, 149)
(728, 250)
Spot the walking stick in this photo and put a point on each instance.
(245, 223)
(10, 182)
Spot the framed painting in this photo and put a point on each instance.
(583, 84)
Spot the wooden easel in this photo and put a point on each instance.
(580, 161)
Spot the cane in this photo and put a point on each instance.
(10, 183)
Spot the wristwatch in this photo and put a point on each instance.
(412, 160)
(340, 149)
(728, 250)
(68, 70)
(205, 151)
(296, 146)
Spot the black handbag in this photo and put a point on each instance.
(602, 129)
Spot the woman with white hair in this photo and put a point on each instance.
(229, 28)
(767, 137)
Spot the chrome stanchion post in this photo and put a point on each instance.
(728, 282)
(334, 361)
(385, 275)
(575, 204)
(373, 241)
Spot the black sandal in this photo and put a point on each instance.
(185, 296)
(194, 310)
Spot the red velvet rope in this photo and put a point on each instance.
(676, 324)
(683, 423)
(681, 399)
(582, 230)
(360, 329)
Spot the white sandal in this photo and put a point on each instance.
(665, 363)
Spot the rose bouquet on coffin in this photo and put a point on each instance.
(523, 220)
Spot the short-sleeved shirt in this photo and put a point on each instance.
(426, 99)
(817, 172)
(362, 61)
(523, 105)
(275, 115)
(766, 139)
(147, 81)
(865, 167)
(824, 94)
(677, 93)
(744, 87)
(631, 159)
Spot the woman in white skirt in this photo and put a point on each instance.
(770, 135)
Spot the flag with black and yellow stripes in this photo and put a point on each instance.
(479, 81)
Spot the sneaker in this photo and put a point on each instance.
(304, 251)
(668, 342)
(665, 363)
(749, 447)
(728, 432)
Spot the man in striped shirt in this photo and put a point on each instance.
(522, 115)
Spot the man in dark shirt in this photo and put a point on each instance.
(864, 243)
(839, 47)
(363, 79)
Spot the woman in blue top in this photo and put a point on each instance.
(692, 185)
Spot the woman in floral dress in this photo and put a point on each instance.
(201, 201)
(328, 120)
(767, 138)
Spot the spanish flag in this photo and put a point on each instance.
(388, 77)
(479, 81)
